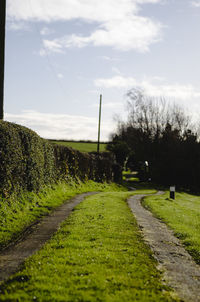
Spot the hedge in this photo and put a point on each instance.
(28, 162)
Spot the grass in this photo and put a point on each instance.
(133, 179)
(18, 212)
(182, 215)
(82, 146)
(97, 255)
(130, 176)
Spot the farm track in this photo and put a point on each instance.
(179, 269)
(35, 237)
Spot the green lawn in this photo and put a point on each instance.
(18, 212)
(182, 215)
(82, 146)
(97, 255)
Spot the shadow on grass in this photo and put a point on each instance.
(131, 181)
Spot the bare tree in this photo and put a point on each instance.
(151, 114)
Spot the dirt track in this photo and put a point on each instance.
(38, 234)
(180, 271)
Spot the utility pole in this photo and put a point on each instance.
(99, 129)
(2, 53)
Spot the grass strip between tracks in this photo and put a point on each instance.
(97, 255)
(182, 215)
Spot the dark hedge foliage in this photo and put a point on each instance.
(28, 162)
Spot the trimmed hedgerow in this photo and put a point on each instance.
(28, 162)
(84, 166)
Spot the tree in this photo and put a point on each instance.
(159, 133)
(120, 149)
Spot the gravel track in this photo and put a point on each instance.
(180, 271)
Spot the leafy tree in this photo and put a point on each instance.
(159, 133)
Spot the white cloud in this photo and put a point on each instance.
(150, 88)
(116, 82)
(195, 3)
(42, 52)
(90, 10)
(130, 33)
(116, 70)
(46, 31)
(172, 91)
(60, 75)
(106, 58)
(61, 126)
(94, 91)
(52, 46)
(117, 23)
(17, 26)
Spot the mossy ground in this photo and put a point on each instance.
(97, 255)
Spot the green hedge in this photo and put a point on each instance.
(28, 162)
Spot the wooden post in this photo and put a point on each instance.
(99, 129)
(2, 54)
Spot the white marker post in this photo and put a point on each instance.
(172, 192)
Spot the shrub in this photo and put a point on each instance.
(28, 162)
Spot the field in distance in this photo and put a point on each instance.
(82, 146)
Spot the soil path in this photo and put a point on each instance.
(180, 271)
(35, 237)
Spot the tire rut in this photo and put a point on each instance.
(35, 237)
(180, 271)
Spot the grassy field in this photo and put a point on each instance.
(97, 255)
(182, 215)
(17, 212)
(82, 146)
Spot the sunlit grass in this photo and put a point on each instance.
(130, 176)
(97, 255)
(18, 212)
(82, 146)
(182, 215)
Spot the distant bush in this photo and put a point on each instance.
(28, 162)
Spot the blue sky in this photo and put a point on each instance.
(62, 54)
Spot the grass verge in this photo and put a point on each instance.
(182, 215)
(18, 212)
(97, 255)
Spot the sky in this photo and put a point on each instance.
(62, 54)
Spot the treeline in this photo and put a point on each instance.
(158, 140)
(28, 162)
